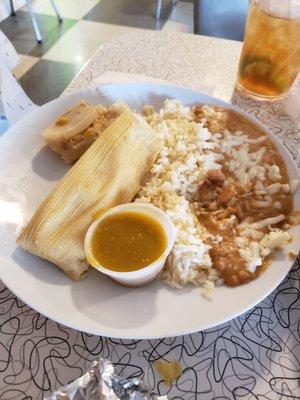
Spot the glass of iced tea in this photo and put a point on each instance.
(270, 59)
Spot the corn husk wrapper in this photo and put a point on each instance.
(109, 173)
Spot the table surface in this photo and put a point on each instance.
(254, 356)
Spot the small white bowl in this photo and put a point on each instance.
(145, 274)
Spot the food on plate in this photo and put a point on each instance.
(225, 186)
(217, 175)
(130, 242)
(77, 129)
(127, 241)
(110, 172)
(248, 201)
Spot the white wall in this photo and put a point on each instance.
(5, 7)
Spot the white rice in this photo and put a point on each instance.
(175, 177)
(189, 151)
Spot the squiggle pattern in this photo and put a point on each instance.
(254, 356)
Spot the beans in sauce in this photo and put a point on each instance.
(221, 202)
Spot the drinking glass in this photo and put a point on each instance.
(270, 58)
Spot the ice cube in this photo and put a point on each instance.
(288, 9)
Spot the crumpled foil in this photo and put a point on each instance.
(102, 383)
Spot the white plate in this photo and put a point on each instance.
(97, 305)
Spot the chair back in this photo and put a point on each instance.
(221, 18)
(14, 103)
(8, 53)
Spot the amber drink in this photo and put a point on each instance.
(270, 58)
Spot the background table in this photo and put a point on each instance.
(255, 356)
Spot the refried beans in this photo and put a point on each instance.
(223, 201)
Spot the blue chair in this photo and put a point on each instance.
(220, 18)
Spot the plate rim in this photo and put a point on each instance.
(179, 332)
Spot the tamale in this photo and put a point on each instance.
(78, 118)
(77, 129)
(109, 173)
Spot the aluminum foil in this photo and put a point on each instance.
(102, 383)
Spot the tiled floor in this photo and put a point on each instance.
(74, 9)
(139, 14)
(19, 30)
(76, 48)
(47, 79)
(46, 69)
(181, 18)
(26, 62)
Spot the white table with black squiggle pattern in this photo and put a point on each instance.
(254, 356)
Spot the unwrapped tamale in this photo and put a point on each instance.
(77, 129)
(109, 173)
